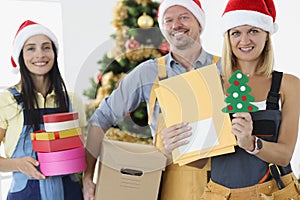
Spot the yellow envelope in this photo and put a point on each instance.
(197, 97)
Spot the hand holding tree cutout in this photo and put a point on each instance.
(239, 98)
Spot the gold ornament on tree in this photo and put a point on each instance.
(145, 2)
(145, 21)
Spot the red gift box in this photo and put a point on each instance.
(43, 141)
(60, 121)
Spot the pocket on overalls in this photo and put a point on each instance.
(211, 194)
(290, 192)
(31, 191)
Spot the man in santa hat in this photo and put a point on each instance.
(182, 23)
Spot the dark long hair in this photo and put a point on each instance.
(29, 95)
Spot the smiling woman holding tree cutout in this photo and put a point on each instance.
(260, 166)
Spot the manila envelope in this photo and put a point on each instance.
(197, 97)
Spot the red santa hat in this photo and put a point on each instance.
(194, 6)
(25, 31)
(258, 13)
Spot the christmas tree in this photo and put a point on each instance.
(239, 99)
(137, 39)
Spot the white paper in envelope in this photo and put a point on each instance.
(204, 136)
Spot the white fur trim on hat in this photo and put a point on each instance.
(247, 17)
(24, 34)
(188, 4)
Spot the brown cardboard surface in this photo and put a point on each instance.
(129, 171)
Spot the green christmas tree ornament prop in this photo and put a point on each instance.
(239, 99)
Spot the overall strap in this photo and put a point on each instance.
(17, 95)
(273, 104)
(215, 59)
(162, 71)
(162, 74)
(274, 95)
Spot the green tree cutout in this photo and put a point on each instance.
(239, 98)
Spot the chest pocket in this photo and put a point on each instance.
(266, 123)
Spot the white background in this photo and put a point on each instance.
(84, 27)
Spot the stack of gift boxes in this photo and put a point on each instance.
(59, 147)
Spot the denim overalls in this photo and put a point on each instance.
(65, 187)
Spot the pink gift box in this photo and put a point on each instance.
(62, 162)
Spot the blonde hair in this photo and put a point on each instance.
(229, 61)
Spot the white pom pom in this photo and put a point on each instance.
(15, 70)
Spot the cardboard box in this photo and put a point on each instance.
(129, 171)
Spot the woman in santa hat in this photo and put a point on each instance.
(41, 90)
(260, 167)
